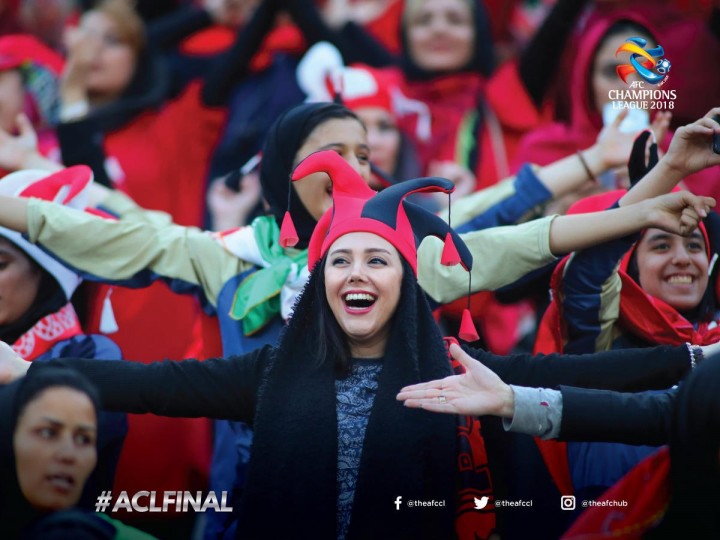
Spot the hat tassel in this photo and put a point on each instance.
(288, 234)
(450, 255)
(467, 332)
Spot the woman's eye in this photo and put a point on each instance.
(661, 247)
(695, 246)
(112, 40)
(378, 260)
(3, 265)
(363, 158)
(82, 439)
(339, 261)
(46, 432)
(609, 71)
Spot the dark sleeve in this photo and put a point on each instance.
(81, 143)
(624, 370)
(224, 388)
(353, 41)
(539, 61)
(166, 32)
(530, 194)
(230, 67)
(599, 415)
(583, 302)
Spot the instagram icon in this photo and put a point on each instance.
(567, 502)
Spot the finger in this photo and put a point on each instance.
(467, 361)
(24, 125)
(619, 118)
(715, 111)
(432, 406)
(429, 393)
(436, 384)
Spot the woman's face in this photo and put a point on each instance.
(19, 282)
(604, 76)
(12, 98)
(347, 137)
(114, 64)
(673, 268)
(55, 447)
(440, 34)
(363, 276)
(383, 137)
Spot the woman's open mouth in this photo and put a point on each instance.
(61, 482)
(358, 302)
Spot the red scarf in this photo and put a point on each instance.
(473, 474)
(48, 331)
(646, 488)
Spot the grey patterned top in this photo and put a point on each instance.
(355, 396)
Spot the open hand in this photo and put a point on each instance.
(691, 147)
(479, 391)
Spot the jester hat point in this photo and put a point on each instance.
(358, 208)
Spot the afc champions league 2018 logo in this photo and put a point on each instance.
(649, 64)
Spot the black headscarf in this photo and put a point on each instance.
(284, 139)
(406, 451)
(694, 449)
(15, 511)
(49, 299)
(482, 61)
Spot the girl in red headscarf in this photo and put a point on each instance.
(636, 292)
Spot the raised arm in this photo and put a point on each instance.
(217, 388)
(130, 252)
(677, 213)
(690, 151)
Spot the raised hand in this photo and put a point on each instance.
(479, 391)
(11, 365)
(691, 147)
(16, 150)
(82, 47)
(677, 212)
(462, 177)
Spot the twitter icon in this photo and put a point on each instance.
(480, 503)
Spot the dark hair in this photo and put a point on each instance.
(37, 381)
(50, 297)
(329, 340)
(285, 137)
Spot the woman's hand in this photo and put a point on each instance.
(462, 177)
(479, 391)
(11, 365)
(17, 151)
(82, 47)
(678, 212)
(613, 146)
(230, 209)
(691, 147)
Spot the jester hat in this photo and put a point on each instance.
(358, 208)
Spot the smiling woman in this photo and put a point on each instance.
(329, 433)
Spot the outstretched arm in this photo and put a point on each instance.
(216, 388)
(678, 213)
(570, 413)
